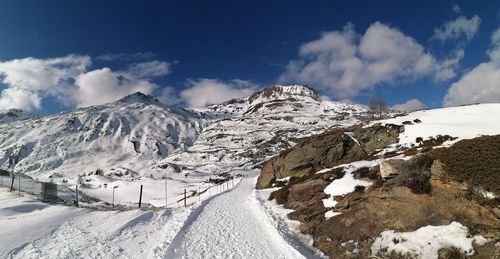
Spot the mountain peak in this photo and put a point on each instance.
(138, 97)
(275, 92)
(14, 115)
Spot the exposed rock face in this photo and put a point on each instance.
(310, 155)
(378, 136)
(335, 147)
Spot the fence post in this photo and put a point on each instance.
(185, 205)
(77, 194)
(44, 191)
(12, 183)
(140, 197)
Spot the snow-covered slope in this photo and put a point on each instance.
(130, 133)
(14, 115)
(461, 122)
(251, 129)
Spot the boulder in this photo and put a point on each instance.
(390, 168)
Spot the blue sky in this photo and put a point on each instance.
(222, 49)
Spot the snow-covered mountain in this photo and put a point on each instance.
(250, 130)
(14, 115)
(130, 133)
(139, 140)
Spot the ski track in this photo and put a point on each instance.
(233, 225)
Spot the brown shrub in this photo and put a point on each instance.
(475, 161)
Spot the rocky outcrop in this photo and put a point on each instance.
(335, 147)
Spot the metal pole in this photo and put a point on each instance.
(185, 205)
(199, 198)
(19, 183)
(114, 198)
(140, 197)
(12, 183)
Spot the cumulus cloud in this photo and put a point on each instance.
(103, 85)
(346, 63)
(203, 92)
(20, 99)
(69, 80)
(481, 84)
(460, 28)
(408, 106)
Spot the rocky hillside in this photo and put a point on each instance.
(422, 185)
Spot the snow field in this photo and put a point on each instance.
(425, 242)
(463, 122)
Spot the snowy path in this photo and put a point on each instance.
(233, 225)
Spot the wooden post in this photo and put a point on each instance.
(185, 205)
(77, 194)
(140, 197)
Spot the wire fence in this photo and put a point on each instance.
(44, 191)
(50, 192)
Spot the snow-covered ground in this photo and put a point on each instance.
(231, 224)
(462, 122)
(234, 225)
(425, 242)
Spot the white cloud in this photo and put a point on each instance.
(20, 99)
(168, 96)
(103, 86)
(481, 84)
(203, 92)
(347, 63)
(70, 81)
(408, 106)
(149, 69)
(460, 28)
(456, 9)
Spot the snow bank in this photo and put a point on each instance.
(463, 122)
(427, 241)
